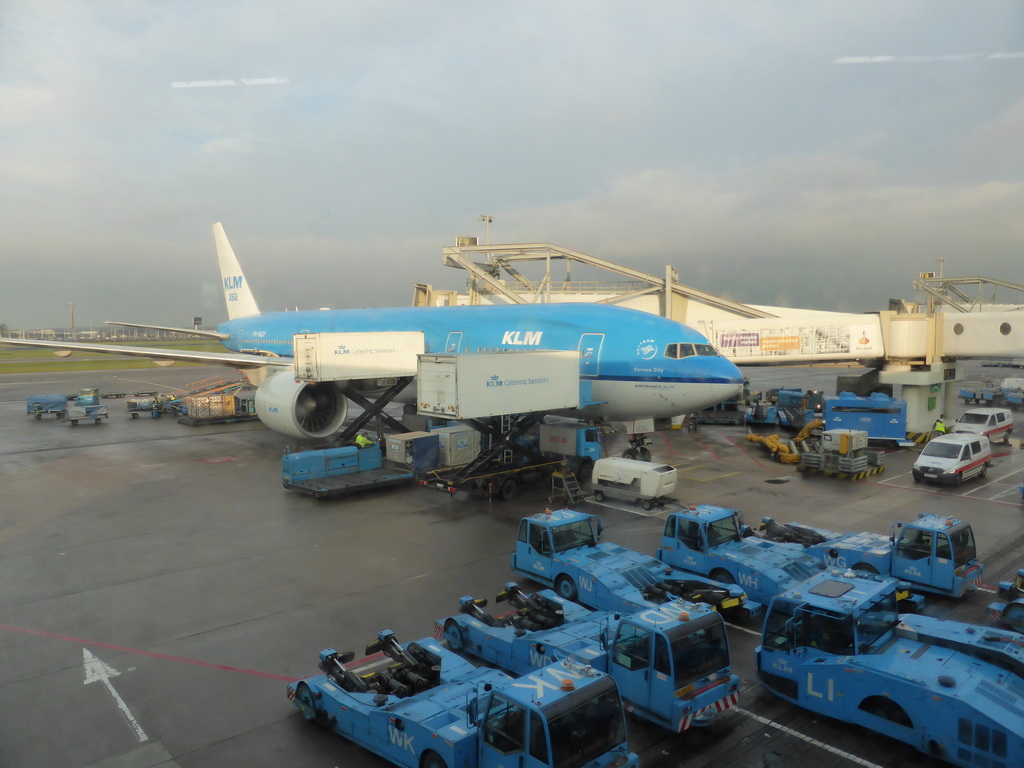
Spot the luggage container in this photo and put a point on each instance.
(419, 451)
(37, 405)
(457, 445)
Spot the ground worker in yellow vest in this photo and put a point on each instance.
(939, 428)
(363, 440)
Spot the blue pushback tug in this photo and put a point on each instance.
(714, 541)
(419, 705)
(837, 646)
(560, 549)
(671, 663)
(932, 553)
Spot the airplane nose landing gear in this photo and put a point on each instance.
(638, 448)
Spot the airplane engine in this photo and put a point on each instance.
(300, 409)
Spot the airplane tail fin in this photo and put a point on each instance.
(237, 295)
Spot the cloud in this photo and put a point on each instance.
(720, 138)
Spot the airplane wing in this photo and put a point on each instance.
(190, 331)
(233, 359)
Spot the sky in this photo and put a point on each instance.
(761, 149)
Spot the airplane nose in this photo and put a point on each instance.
(729, 373)
(721, 378)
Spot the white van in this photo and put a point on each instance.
(633, 480)
(993, 423)
(953, 459)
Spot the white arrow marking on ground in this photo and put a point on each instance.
(97, 671)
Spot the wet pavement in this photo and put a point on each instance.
(158, 586)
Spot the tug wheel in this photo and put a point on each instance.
(722, 575)
(307, 702)
(566, 587)
(453, 635)
(866, 567)
(433, 760)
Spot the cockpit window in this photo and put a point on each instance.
(679, 351)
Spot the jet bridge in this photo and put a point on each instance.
(916, 350)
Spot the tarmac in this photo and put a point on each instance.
(158, 586)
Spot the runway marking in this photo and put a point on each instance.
(803, 737)
(742, 450)
(668, 443)
(743, 629)
(96, 671)
(888, 483)
(151, 654)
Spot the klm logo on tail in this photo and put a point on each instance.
(231, 285)
(522, 338)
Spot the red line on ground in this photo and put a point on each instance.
(740, 448)
(151, 654)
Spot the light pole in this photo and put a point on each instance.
(487, 219)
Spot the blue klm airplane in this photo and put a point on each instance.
(640, 365)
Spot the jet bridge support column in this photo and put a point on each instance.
(927, 390)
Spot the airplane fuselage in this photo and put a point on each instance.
(640, 365)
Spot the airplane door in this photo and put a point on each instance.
(590, 353)
(454, 343)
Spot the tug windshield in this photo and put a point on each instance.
(876, 619)
(698, 647)
(586, 725)
(721, 531)
(572, 535)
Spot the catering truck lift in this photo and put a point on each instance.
(505, 398)
(419, 705)
(502, 398)
(932, 554)
(838, 647)
(671, 663)
(561, 549)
